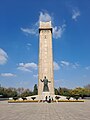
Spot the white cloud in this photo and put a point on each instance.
(84, 76)
(23, 69)
(31, 31)
(3, 57)
(69, 64)
(28, 46)
(75, 14)
(87, 68)
(58, 31)
(57, 81)
(56, 66)
(35, 76)
(28, 67)
(65, 63)
(45, 17)
(7, 75)
(75, 65)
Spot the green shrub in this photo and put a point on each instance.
(68, 97)
(15, 98)
(33, 98)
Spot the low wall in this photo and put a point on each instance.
(2, 99)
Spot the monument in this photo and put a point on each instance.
(45, 67)
(45, 75)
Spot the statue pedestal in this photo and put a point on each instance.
(44, 94)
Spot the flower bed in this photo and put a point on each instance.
(22, 101)
(26, 101)
(70, 101)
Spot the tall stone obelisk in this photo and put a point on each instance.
(45, 57)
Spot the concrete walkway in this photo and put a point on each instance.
(45, 111)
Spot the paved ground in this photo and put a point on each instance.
(44, 111)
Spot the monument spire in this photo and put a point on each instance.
(45, 57)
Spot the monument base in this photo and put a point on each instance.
(45, 94)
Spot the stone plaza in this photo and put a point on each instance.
(45, 111)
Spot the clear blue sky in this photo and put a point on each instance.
(19, 41)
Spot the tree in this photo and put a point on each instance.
(81, 92)
(76, 91)
(60, 91)
(3, 92)
(11, 92)
(8, 92)
(56, 91)
(35, 91)
(20, 90)
(26, 93)
(87, 86)
(64, 91)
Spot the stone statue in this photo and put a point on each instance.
(45, 88)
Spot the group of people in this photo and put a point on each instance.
(49, 100)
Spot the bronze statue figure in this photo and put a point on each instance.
(45, 88)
